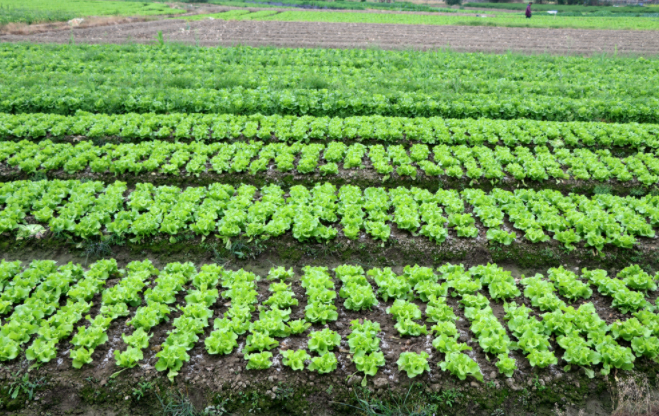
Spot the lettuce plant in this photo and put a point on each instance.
(270, 326)
(407, 327)
(9, 349)
(636, 278)
(259, 341)
(448, 344)
(360, 297)
(324, 364)
(280, 273)
(41, 350)
(366, 326)
(577, 352)
(542, 359)
(425, 289)
(461, 366)
(439, 312)
(128, 358)
(320, 312)
(500, 236)
(615, 356)
(323, 341)
(506, 365)
(629, 329)
(90, 337)
(447, 328)
(402, 309)
(138, 339)
(259, 360)
(81, 356)
(363, 341)
(295, 359)
(368, 363)
(221, 342)
(298, 326)
(171, 358)
(647, 347)
(413, 364)
(629, 301)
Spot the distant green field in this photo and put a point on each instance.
(505, 20)
(34, 11)
(572, 10)
(336, 5)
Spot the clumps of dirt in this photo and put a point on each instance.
(24, 29)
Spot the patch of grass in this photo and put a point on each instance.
(142, 390)
(177, 405)
(631, 396)
(23, 385)
(396, 406)
(29, 16)
(602, 190)
(41, 11)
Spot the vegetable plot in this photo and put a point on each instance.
(90, 210)
(292, 129)
(460, 162)
(582, 337)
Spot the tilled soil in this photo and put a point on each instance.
(359, 35)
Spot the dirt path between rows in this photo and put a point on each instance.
(359, 35)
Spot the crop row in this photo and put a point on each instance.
(322, 102)
(376, 71)
(478, 162)
(276, 128)
(92, 209)
(413, 295)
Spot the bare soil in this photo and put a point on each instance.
(359, 35)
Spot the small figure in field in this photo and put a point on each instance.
(528, 10)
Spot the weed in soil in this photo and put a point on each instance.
(631, 396)
(177, 405)
(24, 385)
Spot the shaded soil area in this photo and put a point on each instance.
(366, 176)
(358, 35)
(403, 248)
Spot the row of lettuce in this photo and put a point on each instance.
(33, 294)
(68, 100)
(287, 128)
(373, 70)
(92, 209)
(397, 161)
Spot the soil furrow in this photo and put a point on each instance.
(361, 35)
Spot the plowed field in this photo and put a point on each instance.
(349, 35)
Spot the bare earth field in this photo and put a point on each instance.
(357, 35)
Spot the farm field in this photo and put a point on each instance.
(37, 11)
(236, 230)
(502, 20)
(361, 35)
(573, 10)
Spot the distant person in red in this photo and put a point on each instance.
(528, 10)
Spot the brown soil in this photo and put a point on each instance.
(26, 29)
(357, 35)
